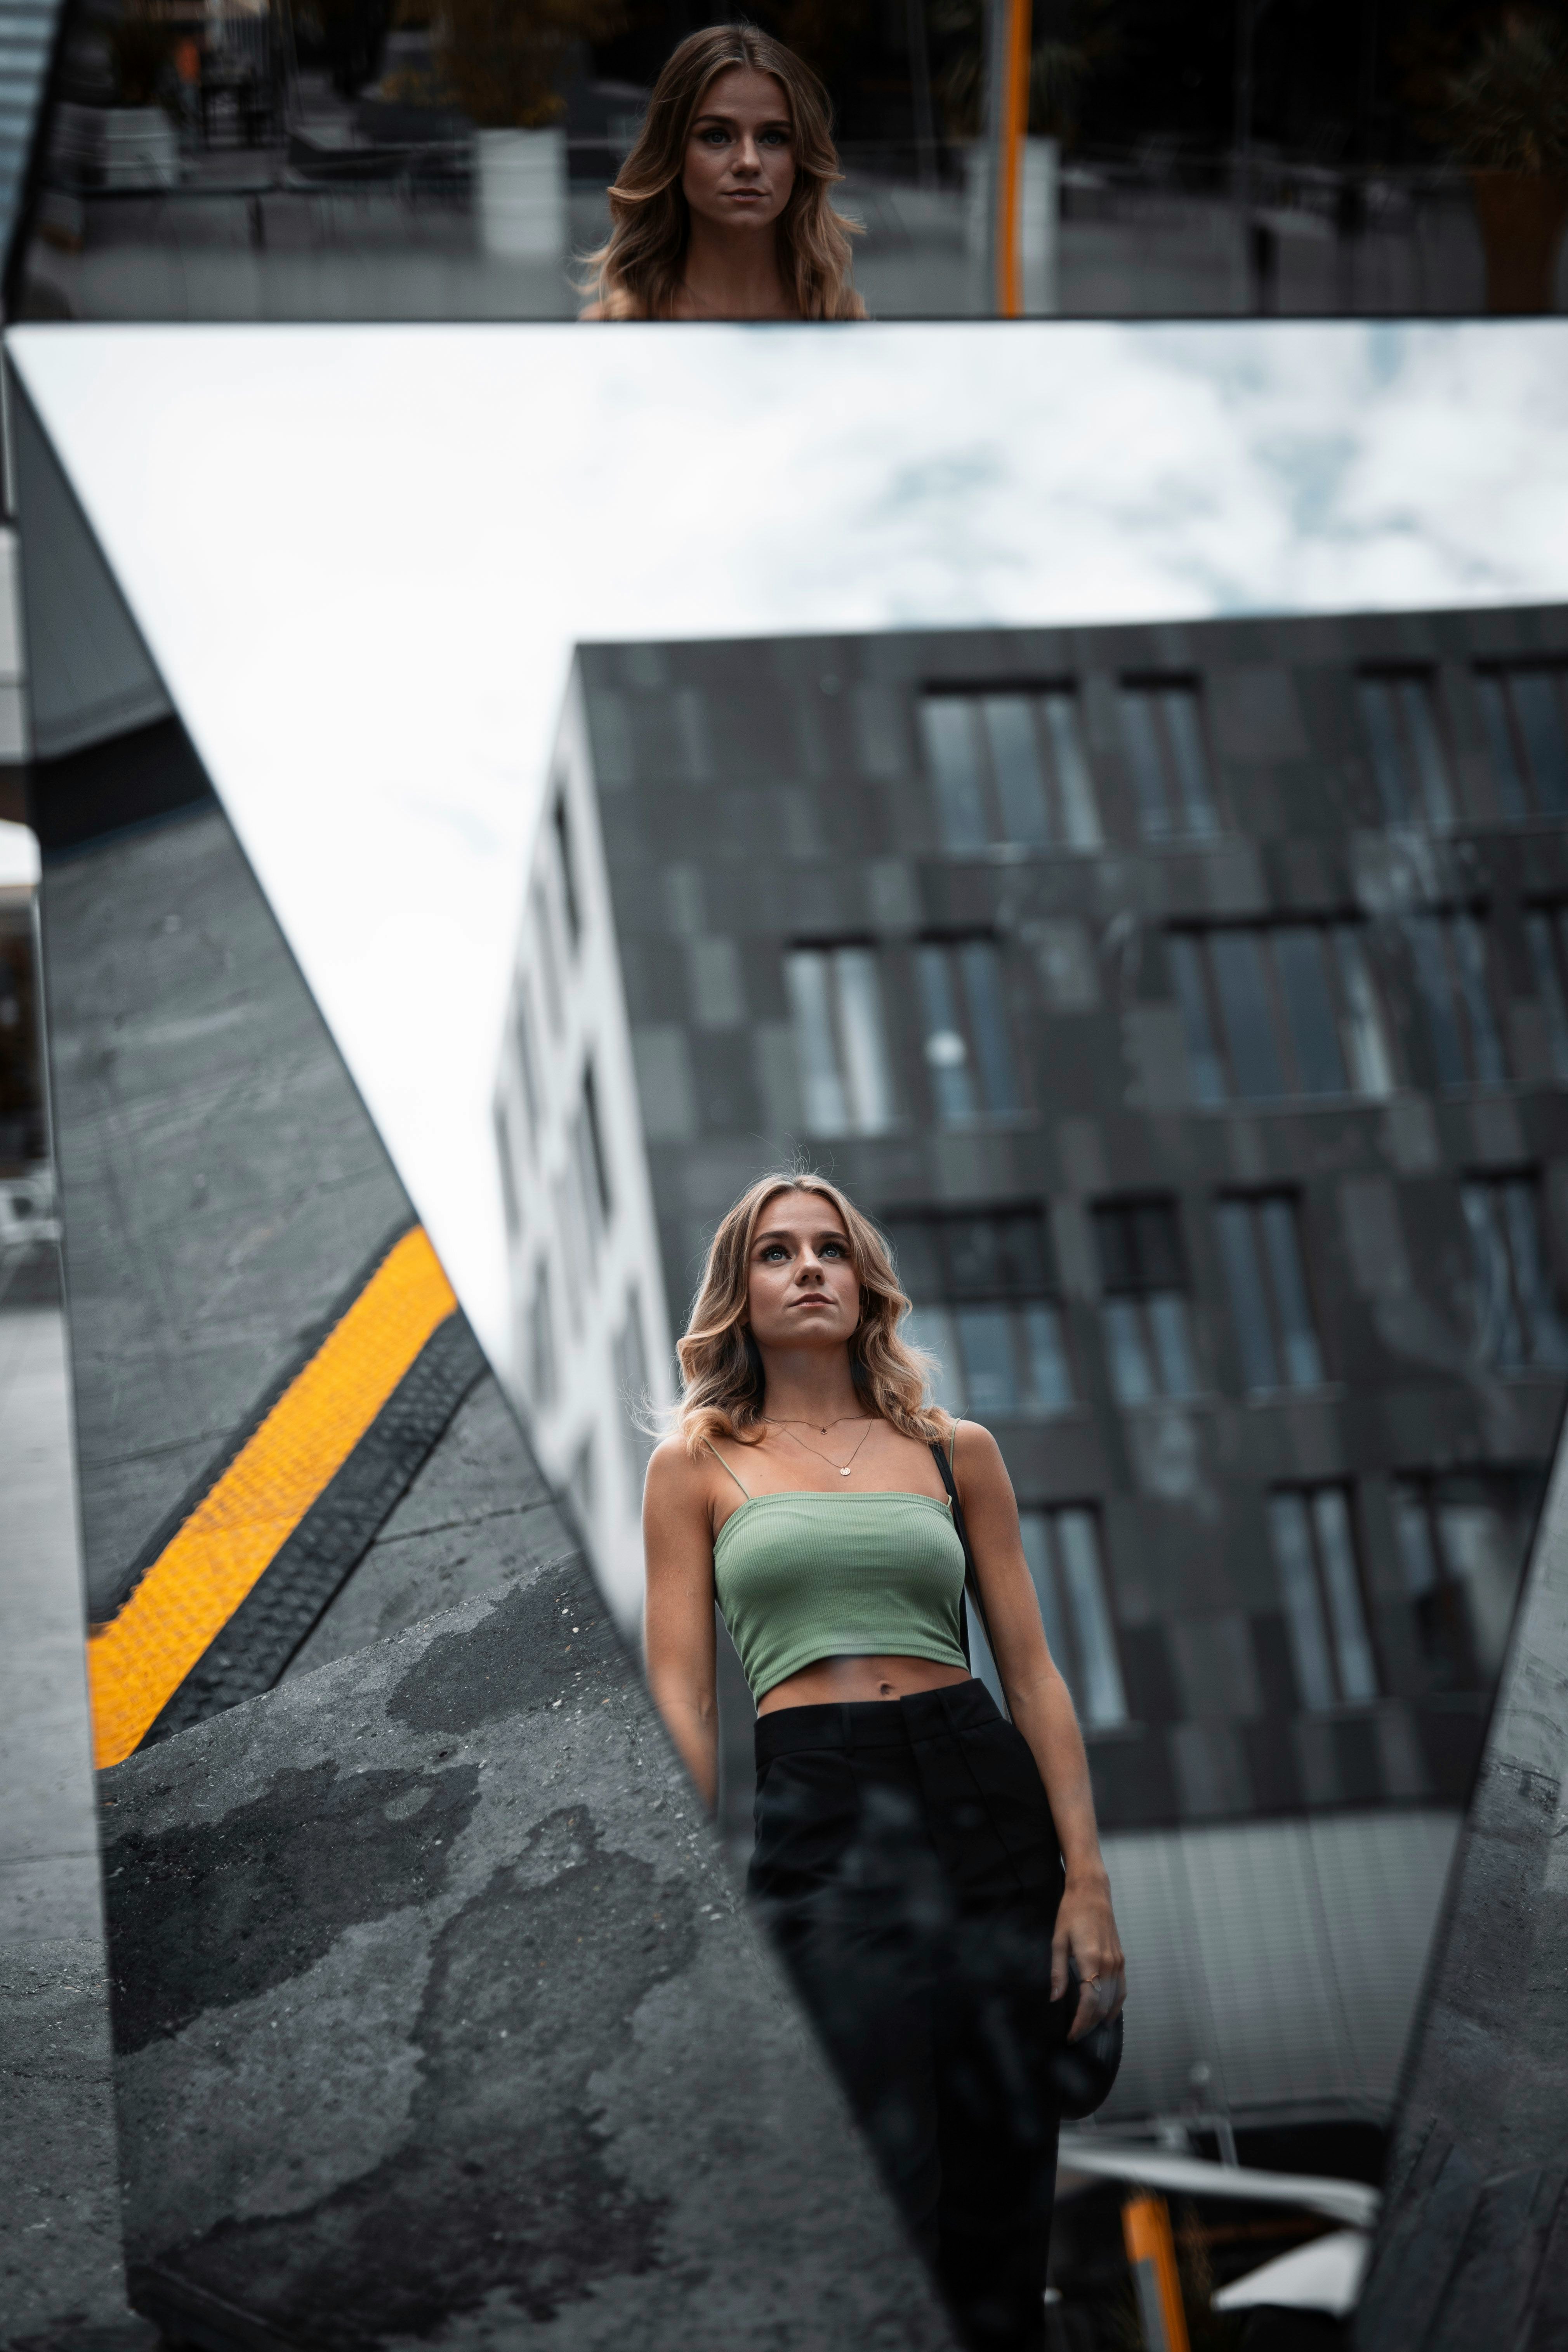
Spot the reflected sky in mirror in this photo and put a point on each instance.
(362, 557)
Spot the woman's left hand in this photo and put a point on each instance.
(1086, 1931)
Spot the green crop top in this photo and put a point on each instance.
(805, 1576)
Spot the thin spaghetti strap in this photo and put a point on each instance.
(724, 1465)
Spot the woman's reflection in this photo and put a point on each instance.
(722, 209)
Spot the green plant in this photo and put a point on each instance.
(503, 60)
(1505, 107)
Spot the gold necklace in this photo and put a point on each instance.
(843, 1468)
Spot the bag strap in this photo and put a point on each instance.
(971, 1581)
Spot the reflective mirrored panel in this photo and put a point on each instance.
(316, 159)
(1138, 890)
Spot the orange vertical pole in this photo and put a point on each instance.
(1151, 2251)
(1012, 128)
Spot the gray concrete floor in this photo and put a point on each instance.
(61, 2284)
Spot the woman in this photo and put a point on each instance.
(928, 1868)
(721, 210)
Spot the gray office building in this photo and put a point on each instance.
(1189, 1003)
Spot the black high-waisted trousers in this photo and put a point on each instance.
(907, 1865)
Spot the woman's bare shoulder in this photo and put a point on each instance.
(673, 1475)
(975, 1450)
(591, 311)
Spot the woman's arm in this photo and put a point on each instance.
(678, 1546)
(1042, 1708)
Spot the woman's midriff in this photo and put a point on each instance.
(839, 1682)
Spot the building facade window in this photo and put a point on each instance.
(539, 1340)
(1260, 1248)
(1063, 1549)
(1144, 1306)
(1546, 931)
(544, 935)
(985, 1307)
(1448, 953)
(527, 1070)
(1519, 1323)
(967, 1049)
(1009, 765)
(1526, 723)
(1167, 758)
(1407, 756)
(511, 1206)
(1461, 1538)
(1277, 1010)
(566, 861)
(1319, 1585)
(841, 1040)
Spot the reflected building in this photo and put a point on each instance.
(1190, 1005)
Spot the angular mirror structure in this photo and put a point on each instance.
(1091, 158)
(432, 2005)
(452, 902)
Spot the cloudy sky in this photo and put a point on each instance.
(361, 557)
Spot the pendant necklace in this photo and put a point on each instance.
(843, 1468)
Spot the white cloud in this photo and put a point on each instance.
(361, 557)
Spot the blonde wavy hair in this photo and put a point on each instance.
(636, 274)
(721, 1370)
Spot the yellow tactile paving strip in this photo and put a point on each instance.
(138, 1661)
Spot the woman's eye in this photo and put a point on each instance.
(775, 139)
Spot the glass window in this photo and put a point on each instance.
(1522, 712)
(1260, 1251)
(1449, 956)
(1366, 1047)
(1461, 1538)
(1167, 759)
(512, 1207)
(836, 1001)
(1308, 1008)
(544, 934)
(1075, 785)
(1144, 1311)
(1062, 1548)
(1500, 744)
(565, 861)
(968, 1051)
(597, 1165)
(1518, 1320)
(1247, 1013)
(1538, 702)
(984, 1284)
(1545, 931)
(1319, 1584)
(522, 1039)
(1276, 1009)
(1015, 765)
(1407, 754)
(1192, 993)
(539, 1340)
(1009, 767)
(952, 755)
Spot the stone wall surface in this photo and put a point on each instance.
(435, 2015)
(1474, 2244)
